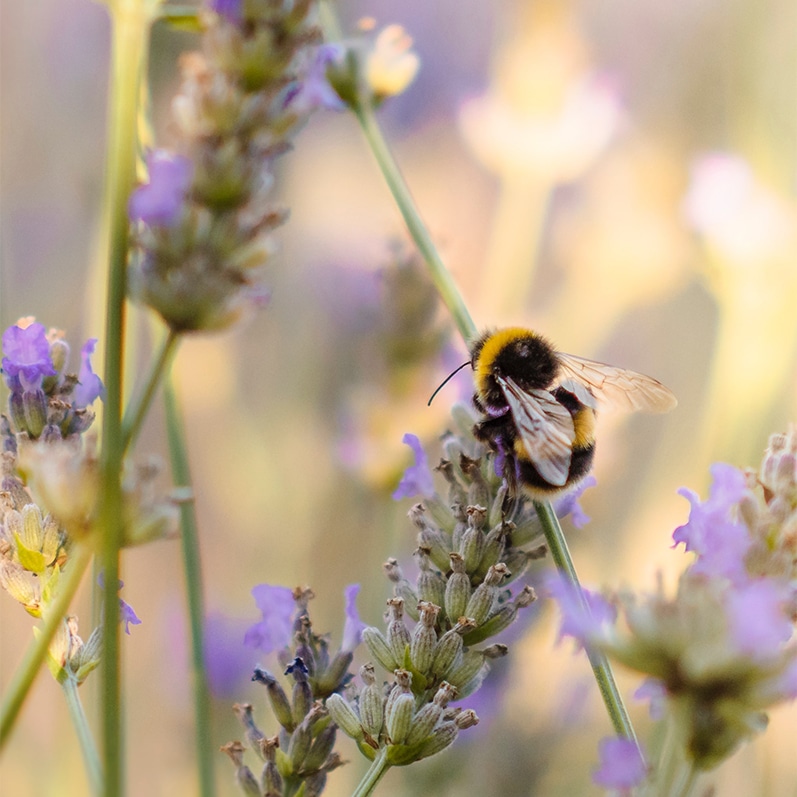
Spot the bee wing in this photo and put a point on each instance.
(616, 386)
(545, 428)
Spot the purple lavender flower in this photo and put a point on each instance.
(621, 766)
(229, 9)
(576, 622)
(417, 479)
(274, 631)
(353, 627)
(719, 542)
(160, 201)
(27, 359)
(89, 385)
(315, 90)
(653, 689)
(127, 614)
(569, 505)
(227, 660)
(757, 615)
(787, 684)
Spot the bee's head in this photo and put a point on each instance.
(513, 353)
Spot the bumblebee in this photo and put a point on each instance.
(540, 407)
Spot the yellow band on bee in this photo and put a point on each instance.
(493, 344)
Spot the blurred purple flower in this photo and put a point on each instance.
(315, 91)
(417, 479)
(621, 766)
(127, 614)
(653, 689)
(27, 359)
(230, 9)
(228, 661)
(787, 683)
(577, 622)
(569, 505)
(757, 616)
(89, 385)
(353, 627)
(274, 631)
(160, 201)
(719, 542)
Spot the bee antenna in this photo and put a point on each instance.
(446, 380)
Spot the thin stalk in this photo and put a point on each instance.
(194, 592)
(375, 773)
(137, 409)
(26, 673)
(91, 758)
(131, 20)
(441, 276)
(557, 545)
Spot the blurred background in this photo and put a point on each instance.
(618, 175)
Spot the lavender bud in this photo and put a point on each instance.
(321, 748)
(483, 599)
(398, 637)
(458, 589)
(424, 638)
(344, 716)
(34, 404)
(448, 653)
(378, 648)
(431, 585)
(398, 715)
(441, 737)
(372, 703)
(253, 734)
(279, 700)
(472, 663)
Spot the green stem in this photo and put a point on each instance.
(441, 276)
(194, 592)
(557, 545)
(37, 651)
(90, 757)
(375, 773)
(131, 20)
(138, 407)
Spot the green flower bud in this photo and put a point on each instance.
(502, 619)
(402, 588)
(431, 585)
(372, 703)
(448, 653)
(344, 716)
(484, 596)
(458, 589)
(398, 717)
(424, 638)
(245, 716)
(471, 665)
(441, 737)
(378, 648)
(398, 636)
(280, 704)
